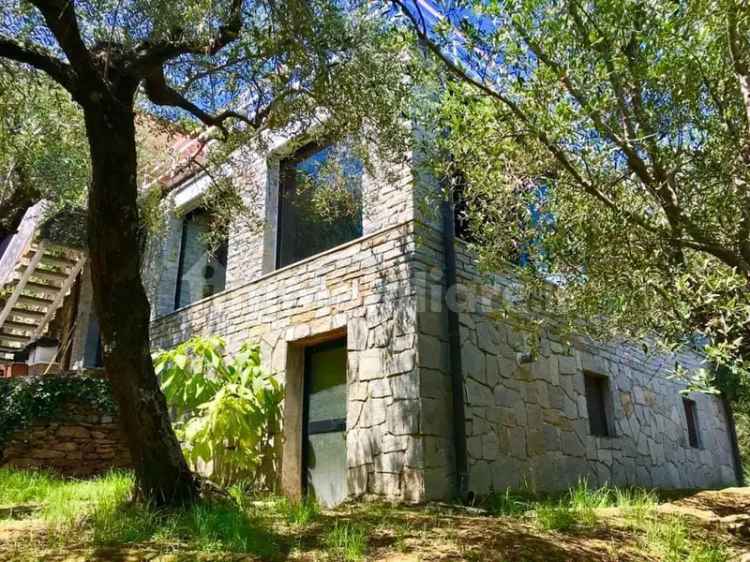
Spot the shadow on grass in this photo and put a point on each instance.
(207, 530)
(433, 536)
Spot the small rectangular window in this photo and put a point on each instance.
(201, 272)
(691, 414)
(320, 201)
(597, 404)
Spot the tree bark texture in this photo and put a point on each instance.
(122, 307)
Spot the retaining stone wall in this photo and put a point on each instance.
(80, 442)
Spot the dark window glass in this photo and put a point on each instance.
(93, 348)
(4, 244)
(201, 273)
(462, 228)
(596, 403)
(320, 202)
(691, 414)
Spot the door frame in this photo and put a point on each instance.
(308, 351)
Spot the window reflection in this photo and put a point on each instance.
(320, 201)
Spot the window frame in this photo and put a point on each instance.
(602, 383)
(692, 425)
(287, 185)
(199, 210)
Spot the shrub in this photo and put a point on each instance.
(228, 411)
(29, 398)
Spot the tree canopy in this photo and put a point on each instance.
(43, 150)
(608, 143)
(239, 67)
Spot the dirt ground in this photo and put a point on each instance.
(436, 533)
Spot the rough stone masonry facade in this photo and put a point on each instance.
(527, 420)
(80, 440)
(526, 423)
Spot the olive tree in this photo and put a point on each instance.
(608, 143)
(233, 65)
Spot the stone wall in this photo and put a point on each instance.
(388, 200)
(80, 441)
(362, 289)
(527, 423)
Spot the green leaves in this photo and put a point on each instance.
(228, 409)
(627, 130)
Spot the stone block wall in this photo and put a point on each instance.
(388, 200)
(527, 423)
(81, 441)
(365, 290)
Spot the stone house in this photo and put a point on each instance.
(400, 381)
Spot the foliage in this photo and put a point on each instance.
(348, 540)
(228, 410)
(241, 68)
(301, 512)
(43, 149)
(100, 511)
(668, 537)
(31, 398)
(607, 144)
(97, 512)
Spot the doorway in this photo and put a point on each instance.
(324, 423)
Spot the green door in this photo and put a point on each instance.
(325, 422)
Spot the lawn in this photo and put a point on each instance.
(43, 517)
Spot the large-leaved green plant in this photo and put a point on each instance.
(227, 411)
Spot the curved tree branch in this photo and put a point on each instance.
(61, 19)
(59, 71)
(157, 53)
(160, 93)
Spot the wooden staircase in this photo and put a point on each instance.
(35, 290)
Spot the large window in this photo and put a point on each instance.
(320, 202)
(202, 272)
(597, 403)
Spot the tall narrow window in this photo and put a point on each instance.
(691, 415)
(201, 272)
(320, 202)
(597, 404)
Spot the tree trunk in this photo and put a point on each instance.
(163, 477)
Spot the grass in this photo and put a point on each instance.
(669, 537)
(97, 512)
(347, 540)
(575, 508)
(300, 513)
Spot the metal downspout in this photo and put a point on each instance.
(454, 349)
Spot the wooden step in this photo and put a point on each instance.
(11, 325)
(46, 274)
(6, 337)
(57, 261)
(33, 315)
(27, 300)
(9, 350)
(42, 287)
